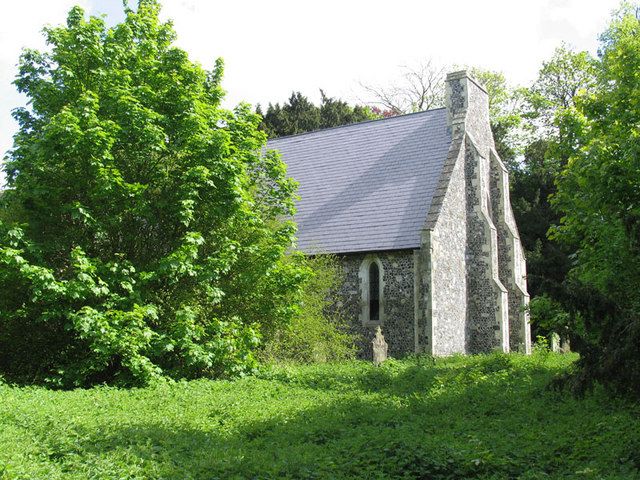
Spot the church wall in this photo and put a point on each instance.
(487, 308)
(495, 228)
(398, 301)
(448, 266)
(488, 301)
(463, 290)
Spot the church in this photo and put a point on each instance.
(417, 209)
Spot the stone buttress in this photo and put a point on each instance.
(470, 275)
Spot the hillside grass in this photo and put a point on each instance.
(488, 417)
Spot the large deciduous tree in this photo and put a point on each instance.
(599, 199)
(560, 79)
(142, 230)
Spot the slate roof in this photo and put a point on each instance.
(366, 186)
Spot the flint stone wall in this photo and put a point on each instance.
(488, 302)
(463, 290)
(487, 307)
(442, 262)
(397, 323)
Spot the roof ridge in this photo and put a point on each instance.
(395, 117)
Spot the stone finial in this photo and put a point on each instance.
(380, 348)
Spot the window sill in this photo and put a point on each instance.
(373, 323)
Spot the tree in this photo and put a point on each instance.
(505, 113)
(145, 235)
(423, 88)
(300, 115)
(559, 81)
(599, 199)
(419, 88)
(335, 112)
(533, 176)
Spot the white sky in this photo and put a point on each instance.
(273, 47)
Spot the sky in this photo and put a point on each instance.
(273, 47)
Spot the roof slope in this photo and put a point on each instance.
(366, 186)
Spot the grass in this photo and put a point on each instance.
(487, 417)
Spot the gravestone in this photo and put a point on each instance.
(380, 348)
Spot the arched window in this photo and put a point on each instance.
(374, 292)
(371, 289)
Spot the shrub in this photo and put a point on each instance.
(548, 315)
(319, 332)
(598, 197)
(142, 233)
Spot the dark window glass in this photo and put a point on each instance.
(374, 292)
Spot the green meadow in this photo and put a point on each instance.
(488, 416)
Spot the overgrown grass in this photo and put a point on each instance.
(463, 417)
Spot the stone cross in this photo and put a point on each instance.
(379, 348)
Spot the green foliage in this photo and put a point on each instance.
(480, 417)
(531, 185)
(318, 332)
(549, 315)
(560, 79)
(504, 112)
(599, 198)
(300, 115)
(533, 176)
(141, 232)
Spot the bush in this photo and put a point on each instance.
(318, 333)
(598, 196)
(142, 233)
(548, 316)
